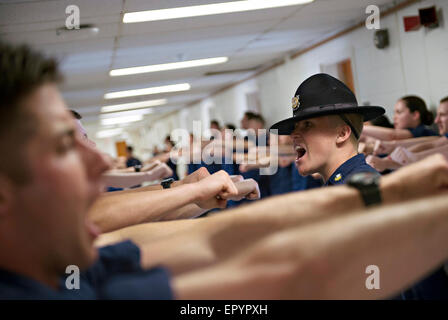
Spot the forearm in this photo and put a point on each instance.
(386, 134)
(328, 260)
(429, 144)
(440, 150)
(140, 189)
(188, 211)
(145, 233)
(113, 212)
(152, 187)
(126, 180)
(216, 238)
(414, 141)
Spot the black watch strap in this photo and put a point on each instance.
(368, 185)
(166, 183)
(371, 195)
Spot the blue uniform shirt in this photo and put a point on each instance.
(433, 287)
(115, 275)
(131, 162)
(421, 131)
(353, 165)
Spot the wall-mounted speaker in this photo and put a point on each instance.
(381, 39)
(428, 17)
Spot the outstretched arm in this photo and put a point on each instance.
(126, 180)
(328, 260)
(126, 209)
(386, 133)
(207, 241)
(386, 147)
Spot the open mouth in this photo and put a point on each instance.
(300, 152)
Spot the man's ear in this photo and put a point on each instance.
(344, 133)
(6, 195)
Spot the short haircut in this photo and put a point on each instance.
(259, 118)
(130, 149)
(168, 140)
(356, 123)
(443, 100)
(22, 71)
(76, 115)
(230, 126)
(215, 122)
(250, 115)
(414, 103)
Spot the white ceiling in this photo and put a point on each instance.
(251, 40)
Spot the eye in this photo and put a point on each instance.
(65, 144)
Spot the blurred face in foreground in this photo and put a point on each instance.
(50, 210)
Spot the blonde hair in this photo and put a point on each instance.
(357, 122)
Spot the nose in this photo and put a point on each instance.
(96, 163)
(437, 119)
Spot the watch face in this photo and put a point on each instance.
(364, 178)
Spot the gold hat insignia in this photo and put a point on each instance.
(296, 102)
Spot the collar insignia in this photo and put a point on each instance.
(338, 177)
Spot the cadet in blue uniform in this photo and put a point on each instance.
(411, 116)
(325, 127)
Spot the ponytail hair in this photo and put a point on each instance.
(414, 103)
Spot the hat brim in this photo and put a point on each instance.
(286, 127)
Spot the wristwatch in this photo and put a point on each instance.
(166, 183)
(137, 167)
(368, 185)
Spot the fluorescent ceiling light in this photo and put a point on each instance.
(111, 121)
(146, 91)
(168, 66)
(133, 105)
(208, 9)
(108, 133)
(126, 113)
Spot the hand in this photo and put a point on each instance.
(378, 163)
(247, 189)
(236, 178)
(361, 147)
(161, 171)
(383, 147)
(214, 190)
(403, 156)
(196, 176)
(243, 168)
(424, 178)
(150, 166)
